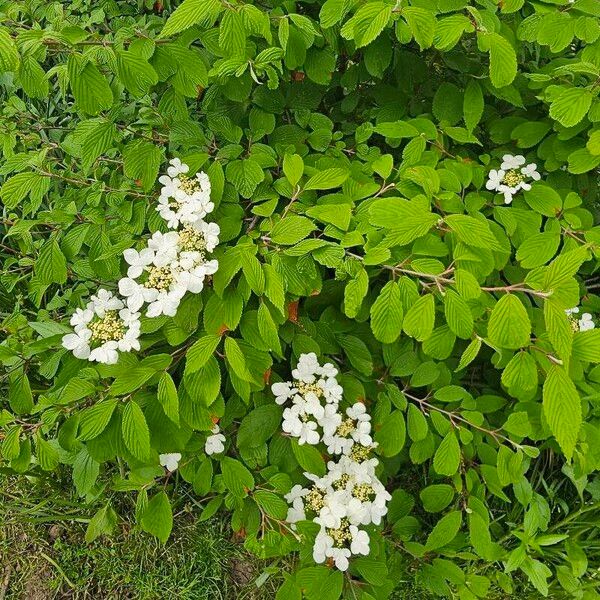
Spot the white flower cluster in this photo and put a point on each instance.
(350, 494)
(158, 275)
(512, 176)
(585, 323)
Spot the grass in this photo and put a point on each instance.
(43, 555)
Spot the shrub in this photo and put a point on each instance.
(407, 190)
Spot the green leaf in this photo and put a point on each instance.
(571, 105)
(157, 518)
(20, 397)
(473, 104)
(85, 472)
(47, 454)
(559, 329)
(293, 168)
(21, 185)
(416, 424)
(354, 293)
(538, 249)
(327, 179)
(503, 60)
(458, 315)
(236, 359)
(309, 458)
(422, 24)
(544, 199)
(386, 314)
(198, 354)
(9, 55)
(419, 320)
(447, 456)
(168, 397)
(509, 325)
(238, 480)
(141, 161)
(33, 78)
(392, 434)
(134, 428)
(94, 420)
(192, 12)
(562, 409)
(445, 531)
(245, 176)
(272, 505)
(291, 229)
(437, 497)
(586, 345)
(102, 523)
(472, 231)
(136, 73)
(89, 87)
(368, 23)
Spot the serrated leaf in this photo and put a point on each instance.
(458, 315)
(387, 313)
(562, 409)
(327, 179)
(157, 517)
(168, 397)
(419, 320)
(134, 429)
(509, 325)
(447, 456)
(192, 12)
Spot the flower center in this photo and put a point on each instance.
(513, 177)
(346, 427)
(360, 453)
(340, 484)
(340, 536)
(192, 240)
(188, 185)
(108, 328)
(159, 278)
(364, 492)
(305, 388)
(314, 499)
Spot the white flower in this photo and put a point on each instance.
(165, 303)
(137, 260)
(323, 543)
(332, 390)
(340, 557)
(328, 370)
(283, 391)
(530, 170)
(136, 294)
(177, 167)
(103, 329)
(78, 343)
(308, 434)
(308, 366)
(104, 301)
(495, 179)
(81, 317)
(330, 420)
(215, 443)
(296, 492)
(360, 541)
(170, 461)
(586, 322)
(572, 311)
(164, 246)
(106, 353)
(508, 192)
(512, 162)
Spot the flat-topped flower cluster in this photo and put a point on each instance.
(512, 176)
(158, 275)
(349, 496)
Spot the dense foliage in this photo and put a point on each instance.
(406, 189)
